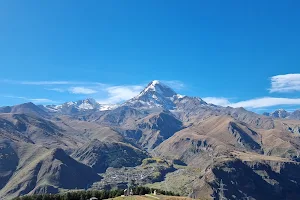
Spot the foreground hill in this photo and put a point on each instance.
(33, 169)
(195, 146)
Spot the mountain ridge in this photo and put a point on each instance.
(158, 125)
(283, 114)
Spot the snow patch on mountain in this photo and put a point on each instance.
(283, 114)
(179, 96)
(81, 105)
(104, 107)
(157, 95)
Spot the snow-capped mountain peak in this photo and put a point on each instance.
(157, 87)
(104, 107)
(87, 104)
(280, 113)
(156, 95)
(80, 105)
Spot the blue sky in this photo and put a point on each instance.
(223, 51)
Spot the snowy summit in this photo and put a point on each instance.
(156, 94)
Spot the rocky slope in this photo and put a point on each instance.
(26, 108)
(33, 169)
(62, 147)
(102, 155)
(243, 176)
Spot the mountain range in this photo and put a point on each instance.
(283, 114)
(158, 138)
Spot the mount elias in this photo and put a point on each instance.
(162, 139)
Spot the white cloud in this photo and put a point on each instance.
(38, 82)
(48, 83)
(33, 100)
(109, 93)
(221, 101)
(57, 89)
(118, 94)
(82, 90)
(266, 102)
(253, 103)
(279, 83)
(174, 84)
(45, 82)
(106, 93)
(285, 83)
(42, 101)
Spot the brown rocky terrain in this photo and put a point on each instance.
(199, 145)
(32, 169)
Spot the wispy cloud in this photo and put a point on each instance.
(118, 94)
(42, 101)
(279, 83)
(49, 83)
(266, 102)
(46, 82)
(285, 83)
(174, 84)
(105, 93)
(56, 89)
(33, 100)
(221, 101)
(263, 102)
(109, 94)
(82, 90)
(37, 82)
